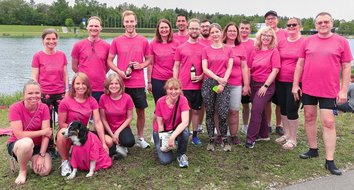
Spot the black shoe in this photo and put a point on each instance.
(279, 130)
(309, 154)
(249, 145)
(331, 167)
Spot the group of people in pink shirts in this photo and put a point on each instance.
(201, 67)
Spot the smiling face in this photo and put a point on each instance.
(272, 21)
(216, 34)
(205, 29)
(164, 29)
(245, 30)
(324, 24)
(181, 23)
(114, 86)
(94, 27)
(293, 27)
(80, 87)
(194, 30)
(50, 41)
(231, 32)
(173, 92)
(129, 23)
(32, 95)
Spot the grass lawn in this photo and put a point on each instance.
(36, 31)
(266, 166)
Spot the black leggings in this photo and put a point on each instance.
(52, 101)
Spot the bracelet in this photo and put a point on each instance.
(42, 154)
(265, 85)
(67, 90)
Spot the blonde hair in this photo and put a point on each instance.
(173, 83)
(108, 81)
(258, 42)
(30, 82)
(128, 13)
(85, 80)
(95, 18)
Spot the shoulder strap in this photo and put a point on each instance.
(175, 113)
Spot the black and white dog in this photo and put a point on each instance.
(87, 152)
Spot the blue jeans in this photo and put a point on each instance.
(167, 157)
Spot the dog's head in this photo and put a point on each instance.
(77, 132)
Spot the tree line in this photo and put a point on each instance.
(60, 13)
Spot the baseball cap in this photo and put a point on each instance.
(271, 13)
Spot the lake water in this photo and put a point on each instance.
(16, 58)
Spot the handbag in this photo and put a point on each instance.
(165, 135)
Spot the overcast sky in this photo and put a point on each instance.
(340, 9)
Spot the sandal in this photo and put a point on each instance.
(289, 145)
(281, 140)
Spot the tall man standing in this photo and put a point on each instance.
(90, 57)
(322, 54)
(132, 50)
(248, 44)
(182, 34)
(187, 55)
(271, 20)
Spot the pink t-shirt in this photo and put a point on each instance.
(51, 71)
(188, 54)
(163, 54)
(30, 121)
(249, 47)
(239, 54)
(323, 61)
(180, 39)
(116, 110)
(92, 61)
(289, 54)
(162, 110)
(217, 59)
(205, 42)
(262, 63)
(281, 35)
(131, 49)
(78, 111)
(91, 150)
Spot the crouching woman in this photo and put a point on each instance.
(29, 120)
(172, 114)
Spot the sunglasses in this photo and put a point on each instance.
(291, 25)
(322, 22)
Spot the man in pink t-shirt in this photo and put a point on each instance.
(132, 50)
(248, 44)
(182, 34)
(271, 20)
(205, 32)
(323, 54)
(187, 55)
(90, 57)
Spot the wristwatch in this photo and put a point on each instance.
(42, 154)
(265, 85)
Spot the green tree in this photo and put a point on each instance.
(58, 12)
(69, 22)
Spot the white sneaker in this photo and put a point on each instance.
(200, 128)
(244, 129)
(65, 168)
(142, 143)
(183, 161)
(121, 150)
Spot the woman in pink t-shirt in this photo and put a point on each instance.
(116, 111)
(239, 78)
(49, 69)
(289, 50)
(264, 63)
(29, 120)
(175, 119)
(162, 50)
(217, 64)
(78, 106)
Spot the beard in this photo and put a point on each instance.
(206, 35)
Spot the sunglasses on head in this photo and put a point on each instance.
(291, 25)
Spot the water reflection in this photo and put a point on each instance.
(16, 59)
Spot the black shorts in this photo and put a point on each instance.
(246, 99)
(139, 97)
(194, 98)
(324, 103)
(10, 147)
